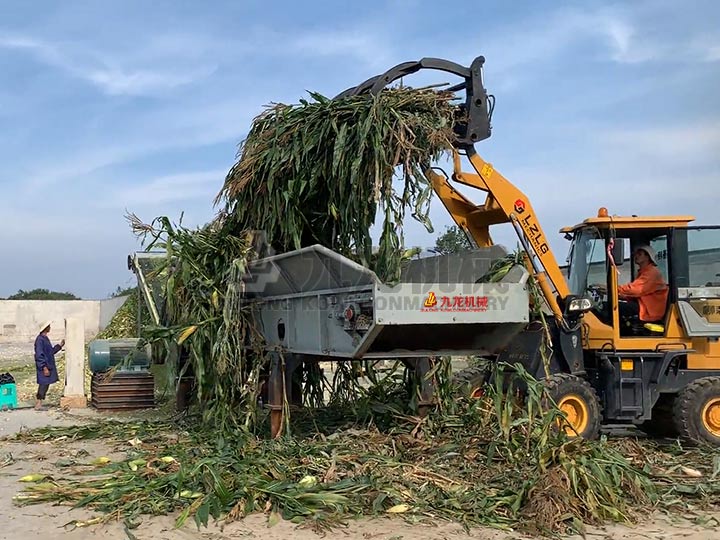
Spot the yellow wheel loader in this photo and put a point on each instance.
(608, 365)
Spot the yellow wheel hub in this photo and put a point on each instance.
(711, 416)
(576, 413)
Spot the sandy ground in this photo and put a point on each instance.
(49, 521)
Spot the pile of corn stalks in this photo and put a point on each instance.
(319, 172)
(207, 330)
(316, 172)
(493, 461)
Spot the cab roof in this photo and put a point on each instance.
(631, 222)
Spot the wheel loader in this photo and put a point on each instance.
(606, 367)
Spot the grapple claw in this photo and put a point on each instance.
(473, 122)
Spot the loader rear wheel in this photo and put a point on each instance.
(697, 411)
(579, 403)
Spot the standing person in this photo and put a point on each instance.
(45, 363)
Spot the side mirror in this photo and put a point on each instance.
(618, 252)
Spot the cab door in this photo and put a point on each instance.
(696, 260)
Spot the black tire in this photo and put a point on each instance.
(697, 411)
(469, 382)
(661, 424)
(578, 399)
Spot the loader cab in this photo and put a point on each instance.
(601, 259)
(688, 257)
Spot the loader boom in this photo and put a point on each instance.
(504, 203)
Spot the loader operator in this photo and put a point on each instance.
(646, 296)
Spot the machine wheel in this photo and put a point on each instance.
(579, 403)
(697, 411)
(661, 424)
(469, 382)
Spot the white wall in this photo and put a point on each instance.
(20, 320)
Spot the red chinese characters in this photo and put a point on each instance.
(457, 303)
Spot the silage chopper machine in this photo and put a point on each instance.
(315, 305)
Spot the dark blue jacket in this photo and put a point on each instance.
(45, 357)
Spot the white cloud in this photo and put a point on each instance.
(367, 47)
(633, 37)
(116, 81)
(684, 143)
(168, 61)
(164, 129)
(201, 185)
(623, 34)
(626, 47)
(105, 69)
(707, 48)
(76, 165)
(29, 223)
(713, 54)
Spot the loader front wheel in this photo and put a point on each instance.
(578, 402)
(697, 411)
(470, 382)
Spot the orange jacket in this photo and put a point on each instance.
(651, 292)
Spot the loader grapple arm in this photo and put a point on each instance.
(474, 116)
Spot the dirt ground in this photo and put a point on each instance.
(48, 521)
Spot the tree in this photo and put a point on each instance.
(453, 240)
(42, 294)
(120, 291)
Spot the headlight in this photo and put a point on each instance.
(580, 304)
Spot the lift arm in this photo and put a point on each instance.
(504, 203)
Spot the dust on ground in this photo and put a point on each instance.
(48, 521)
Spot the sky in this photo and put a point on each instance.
(110, 107)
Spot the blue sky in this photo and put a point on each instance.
(108, 106)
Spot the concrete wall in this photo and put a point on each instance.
(20, 319)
